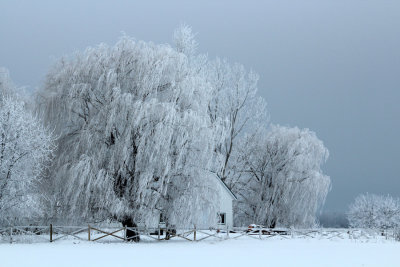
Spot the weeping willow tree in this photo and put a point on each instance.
(135, 138)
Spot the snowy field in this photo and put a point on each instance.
(234, 252)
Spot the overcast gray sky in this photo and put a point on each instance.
(329, 65)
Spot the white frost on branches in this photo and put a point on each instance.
(235, 99)
(135, 136)
(281, 181)
(374, 212)
(184, 40)
(25, 151)
(147, 129)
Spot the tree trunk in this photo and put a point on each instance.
(131, 235)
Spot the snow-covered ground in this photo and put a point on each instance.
(234, 252)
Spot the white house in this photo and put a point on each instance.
(226, 206)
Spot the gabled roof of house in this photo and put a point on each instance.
(227, 188)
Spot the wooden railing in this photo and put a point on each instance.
(52, 233)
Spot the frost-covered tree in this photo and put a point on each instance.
(281, 181)
(135, 135)
(185, 41)
(25, 150)
(374, 212)
(235, 100)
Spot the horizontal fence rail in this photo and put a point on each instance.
(52, 233)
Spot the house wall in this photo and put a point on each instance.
(226, 207)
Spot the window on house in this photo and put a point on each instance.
(221, 218)
(162, 218)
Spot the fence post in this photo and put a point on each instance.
(51, 233)
(158, 232)
(125, 233)
(10, 234)
(194, 233)
(259, 232)
(89, 232)
(227, 232)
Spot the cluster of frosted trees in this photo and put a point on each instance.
(144, 129)
(374, 212)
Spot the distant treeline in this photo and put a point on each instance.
(333, 219)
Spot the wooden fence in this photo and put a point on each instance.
(52, 233)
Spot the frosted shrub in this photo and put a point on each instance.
(375, 212)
